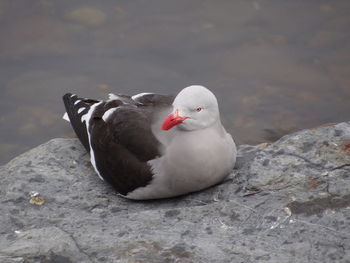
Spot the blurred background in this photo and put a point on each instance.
(275, 66)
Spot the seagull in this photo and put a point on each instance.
(151, 146)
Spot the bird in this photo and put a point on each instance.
(152, 146)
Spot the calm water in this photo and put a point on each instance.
(275, 66)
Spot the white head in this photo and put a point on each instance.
(195, 107)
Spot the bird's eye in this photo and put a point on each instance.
(198, 109)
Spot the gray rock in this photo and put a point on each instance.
(285, 202)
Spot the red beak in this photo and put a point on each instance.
(173, 120)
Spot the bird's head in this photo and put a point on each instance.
(195, 107)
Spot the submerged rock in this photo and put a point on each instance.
(285, 202)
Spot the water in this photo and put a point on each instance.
(275, 66)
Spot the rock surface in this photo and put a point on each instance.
(285, 202)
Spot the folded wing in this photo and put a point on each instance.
(118, 134)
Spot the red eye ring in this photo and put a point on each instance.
(198, 109)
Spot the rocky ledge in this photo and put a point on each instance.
(285, 202)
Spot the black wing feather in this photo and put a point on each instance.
(122, 146)
(72, 109)
(124, 143)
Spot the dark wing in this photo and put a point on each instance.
(123, 143)
(76, 108)
(155, 100)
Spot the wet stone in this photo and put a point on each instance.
(319, 205)
(172, 213)
(266, 162)
(37, 179)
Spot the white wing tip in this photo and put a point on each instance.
(65, 117)
(81, 109)
(112, 96)
(137, 96)
(108, 113)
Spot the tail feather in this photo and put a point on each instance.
(76, 108)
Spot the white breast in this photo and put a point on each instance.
(191, 163)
